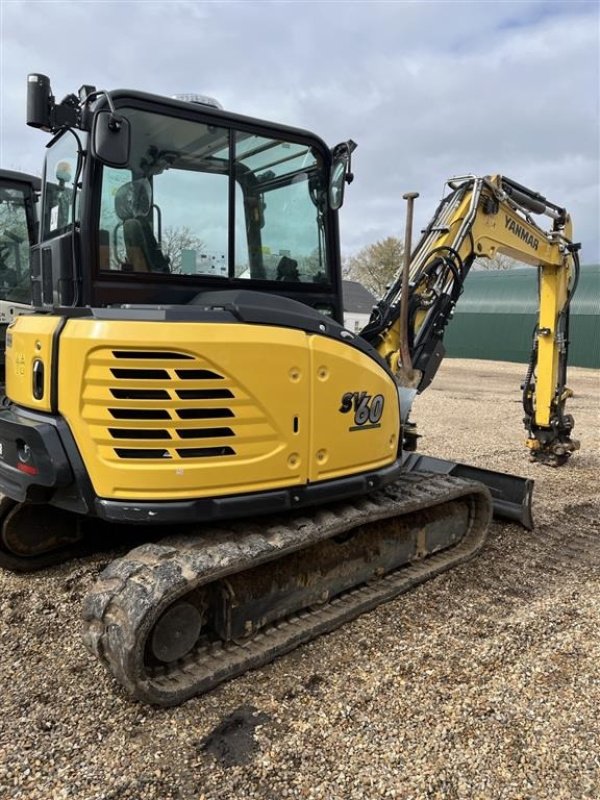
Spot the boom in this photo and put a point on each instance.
(481, 217)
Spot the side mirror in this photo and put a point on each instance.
(111, 139)
(340, 173)
(336, 183)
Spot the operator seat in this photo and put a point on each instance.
(287, 269)
(133, 204)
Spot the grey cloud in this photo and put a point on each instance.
(427, 89)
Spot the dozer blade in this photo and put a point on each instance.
(511, 494)
(174, 619)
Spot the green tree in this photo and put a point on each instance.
(376, 265)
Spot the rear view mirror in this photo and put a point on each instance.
(336, 183)
(340, 173)
(111, 139)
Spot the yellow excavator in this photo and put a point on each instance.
(187, 366)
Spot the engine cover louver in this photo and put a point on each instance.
(147, 388)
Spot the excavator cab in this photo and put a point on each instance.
(172, 198)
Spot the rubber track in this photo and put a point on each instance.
(132, 592)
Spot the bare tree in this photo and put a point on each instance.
(175, 241)
(376, 264)
(499, 262)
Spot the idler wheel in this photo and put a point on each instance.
(176, 632)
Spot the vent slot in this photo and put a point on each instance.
(198, 375)
(140, 394)
(205, 452)
(152, 405)
(139, 433)
(151, 354)
(139, 413)
(138, 452)
(204, 413)
(141, 374)
(204, 394)
(204, 433)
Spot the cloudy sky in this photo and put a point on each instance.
(427, 89)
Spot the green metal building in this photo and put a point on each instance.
(496, 315)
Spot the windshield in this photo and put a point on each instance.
(205, 200)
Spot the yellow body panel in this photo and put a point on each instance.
(167, 411)
(338, 445)
(553, 295)
(29, 338)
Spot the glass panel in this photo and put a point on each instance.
(194, 210)
(242, 263)
(169, 210)
(61, 165)
(272, 157)
(285, 200)
(112, 246)
(15, 283)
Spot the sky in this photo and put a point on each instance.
(428, 90)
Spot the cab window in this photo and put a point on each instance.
(15, 283)
(201, 199)
(61, 166)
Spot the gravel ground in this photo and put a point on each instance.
(483, 683)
